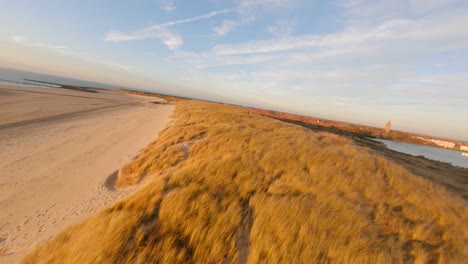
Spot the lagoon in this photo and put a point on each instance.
(446, 155)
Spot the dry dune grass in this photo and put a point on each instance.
(223, 185)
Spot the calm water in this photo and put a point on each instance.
(16, 77)
(440, 154)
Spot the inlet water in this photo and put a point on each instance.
(446, 155)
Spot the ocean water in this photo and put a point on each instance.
(446, 155)
(17, 77)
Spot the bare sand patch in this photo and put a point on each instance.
(58, 148)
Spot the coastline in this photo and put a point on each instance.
(58, 153)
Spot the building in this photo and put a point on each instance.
(441, 143)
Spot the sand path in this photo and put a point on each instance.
(57, 149)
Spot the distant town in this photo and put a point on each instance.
(445, 143)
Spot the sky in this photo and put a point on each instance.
(358, 61)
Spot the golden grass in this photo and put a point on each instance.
(224, 185)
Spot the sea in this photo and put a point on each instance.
(19, 77)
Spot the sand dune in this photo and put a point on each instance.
(58, 147)
(225, 185)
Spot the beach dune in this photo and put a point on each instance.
(58, 152)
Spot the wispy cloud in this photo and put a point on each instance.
(161, 31)
(226, 26)
(387, 52)
(211, 60)
(397, 29)
(247, 10)
(89, 57)
(248, 5)
(187, 20)
(368, 12)
(281, 29)
(168, 37)
(17, 38)
(167, 5)
(423, 6)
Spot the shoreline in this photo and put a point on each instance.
(440, 172)
(58, 152)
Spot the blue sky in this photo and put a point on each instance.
(358, 61)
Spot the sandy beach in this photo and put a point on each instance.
(57, 149)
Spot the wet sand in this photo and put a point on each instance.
(58, 151)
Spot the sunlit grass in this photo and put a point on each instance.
(223, 185)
